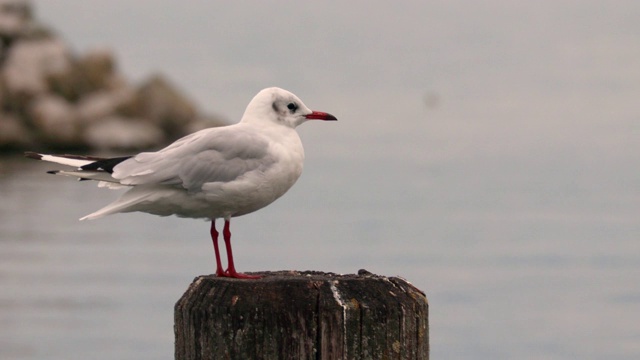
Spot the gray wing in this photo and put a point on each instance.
(211, 155)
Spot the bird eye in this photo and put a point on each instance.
(292, 106)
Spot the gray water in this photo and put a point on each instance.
(487, 153)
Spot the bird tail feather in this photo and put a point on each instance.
(69, 160)
(87, 167)
(125, 203)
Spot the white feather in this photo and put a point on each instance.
(65, 161)
(89, 175)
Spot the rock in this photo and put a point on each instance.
(53, 98)
(120, 133)
(201, 122)
(15, 19)
(29, 63)
(161, 103)
(54, 120)
(100, 104)
(13, 133)
(95, 71)
(98, 67)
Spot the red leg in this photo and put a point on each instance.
(214, 238)
(231, 270)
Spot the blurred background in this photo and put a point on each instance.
(488, 152)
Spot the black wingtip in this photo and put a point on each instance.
(33, 155)
(105, 164)
(53, 172)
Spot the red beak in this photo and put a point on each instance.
(319, 115)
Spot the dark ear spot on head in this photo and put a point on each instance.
(274, 106)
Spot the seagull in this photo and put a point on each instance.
(215, 173)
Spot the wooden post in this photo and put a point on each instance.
(302, 315)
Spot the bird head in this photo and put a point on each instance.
(275, 105)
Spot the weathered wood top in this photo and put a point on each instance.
(302, 315)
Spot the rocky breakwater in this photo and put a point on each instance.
(54, 99)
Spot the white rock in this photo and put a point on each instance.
(120, 133)
(29, 63)
(55, 120)
(100, 104)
